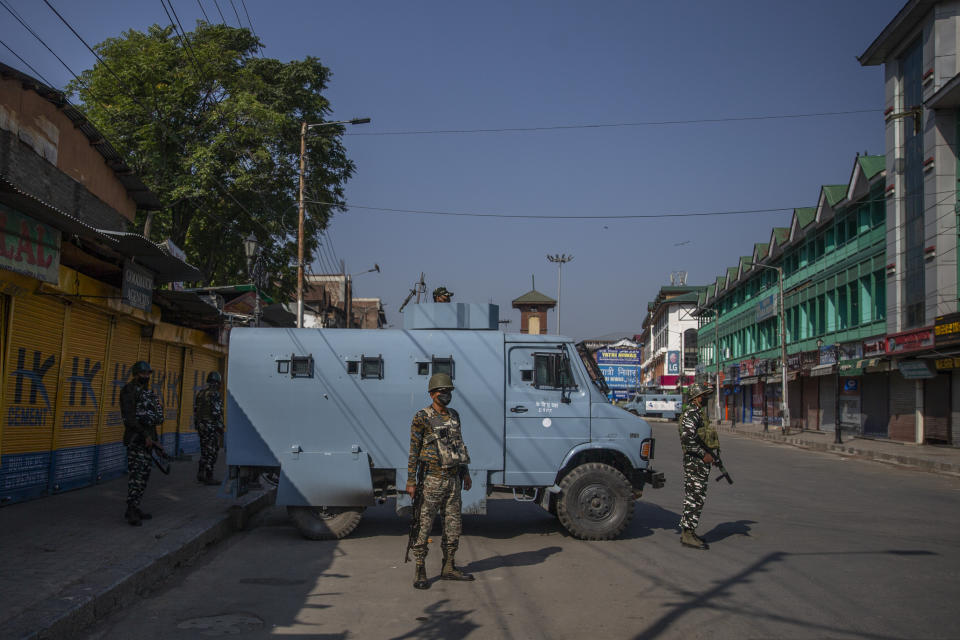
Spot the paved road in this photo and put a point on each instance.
(804, 545)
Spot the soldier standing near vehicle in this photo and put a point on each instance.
(142, 412)
(436, 472)
(208, 418)
(696, 464)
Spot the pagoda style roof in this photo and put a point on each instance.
(534, 297)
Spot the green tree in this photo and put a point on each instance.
(214, 130)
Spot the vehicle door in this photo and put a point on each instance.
(547, 408)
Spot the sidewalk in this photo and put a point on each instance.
(938, 459)
(71, 559)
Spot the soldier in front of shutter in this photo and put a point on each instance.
(438, 451)
(208, 418)
(142, 412)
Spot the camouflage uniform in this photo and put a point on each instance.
(142, 412)
(441, 485)
(696, 472)
(208, 416)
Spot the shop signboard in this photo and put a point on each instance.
(673, 363)
(748, 368)
(945, 364)
(851, 350)
(29, 247)
(907, 341)
(794, 362)
(137, 287)
(828, 354)
(618, 356)
(809, 359)
(874, 348)
(620, 368)
(915, 369)
(767, 307)
(947, 330)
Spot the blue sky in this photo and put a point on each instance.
(419, 66)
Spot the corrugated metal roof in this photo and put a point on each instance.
(805, 215)
(138, 191)
(167, 267)
(872, 165)
(835, 193)
(760, 249)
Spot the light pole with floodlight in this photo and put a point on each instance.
(560, 259)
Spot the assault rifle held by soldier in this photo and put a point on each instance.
(717, 462)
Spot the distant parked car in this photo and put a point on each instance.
(666, 406)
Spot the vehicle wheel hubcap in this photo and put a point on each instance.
(596, 503)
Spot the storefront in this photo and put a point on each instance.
(907, 381)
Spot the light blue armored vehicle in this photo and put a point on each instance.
(327, 413)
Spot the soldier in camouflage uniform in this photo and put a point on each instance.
(208, 417)
(696, 465)
(142, 412)
(437, 448)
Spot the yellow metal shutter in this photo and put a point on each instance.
(171, 395)
(124, 351)
(30, 394)
(81, 391)
(158, 382)
(3, 351)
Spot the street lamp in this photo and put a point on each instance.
(560, 259)
(251, 248)
(348, 292)
(782, 312)
(303, 153)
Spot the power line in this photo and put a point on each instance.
(222, 19)
(644, 123)
(203, 11)
(234, 7)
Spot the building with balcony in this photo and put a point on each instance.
(669, 331)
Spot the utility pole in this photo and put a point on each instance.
(716, 355)
(560, 259)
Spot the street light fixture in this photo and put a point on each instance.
(251, 248)
(782, 312)
(303, 153)
(348, 291)
(560, 259)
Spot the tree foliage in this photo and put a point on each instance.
(214, 130)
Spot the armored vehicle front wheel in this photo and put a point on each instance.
(596, 502)
(325, 523)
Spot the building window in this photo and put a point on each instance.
(914, 284)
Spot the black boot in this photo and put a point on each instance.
(450, 570)
(143, 516)
(420, 577)
(133, 516)
(209, 479)
(201, 474)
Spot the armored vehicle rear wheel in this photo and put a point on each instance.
(596, 502)
(325, 523)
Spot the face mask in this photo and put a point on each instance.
(444, 397)
(143, 381)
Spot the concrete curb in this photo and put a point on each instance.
(92, 597)
(850, 450)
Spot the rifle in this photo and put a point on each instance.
(160, 458)
(717, 462)
(415, 514)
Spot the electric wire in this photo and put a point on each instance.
(203, 11)
(222, 19)
(234, 7)
(612, 125)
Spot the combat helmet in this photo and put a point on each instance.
(141, 366)
(214, 376)
(440, 381)
(696, 390)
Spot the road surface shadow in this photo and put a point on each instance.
(726, 529)
(520, 559)
(437, 624)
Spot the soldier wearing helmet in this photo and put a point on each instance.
(441, 294)
(208, 418)
(438, 460)
(142, 413)
(696, 464)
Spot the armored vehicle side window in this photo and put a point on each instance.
(444, 365)
(423, 368)
(552, 371)
(301, 366)
(353, 367)
(371, 367)
(283, 366)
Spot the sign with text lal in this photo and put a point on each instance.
(620, 367)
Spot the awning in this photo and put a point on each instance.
(168, 268)
(186, 308)
(850, 368)
(750, 380)
(822, 370)
(776, 379)
(13, 196)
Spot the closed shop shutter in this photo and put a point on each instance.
(903, 405)
(158, 382)
(32, 373)
(192, 381)
(936, 409)
(811, 403)
(124, 351)
(828, 403)
(875, 405)
(3, 349)
(171, 397)
(955, 405)
(795, 393)
(81, 391)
